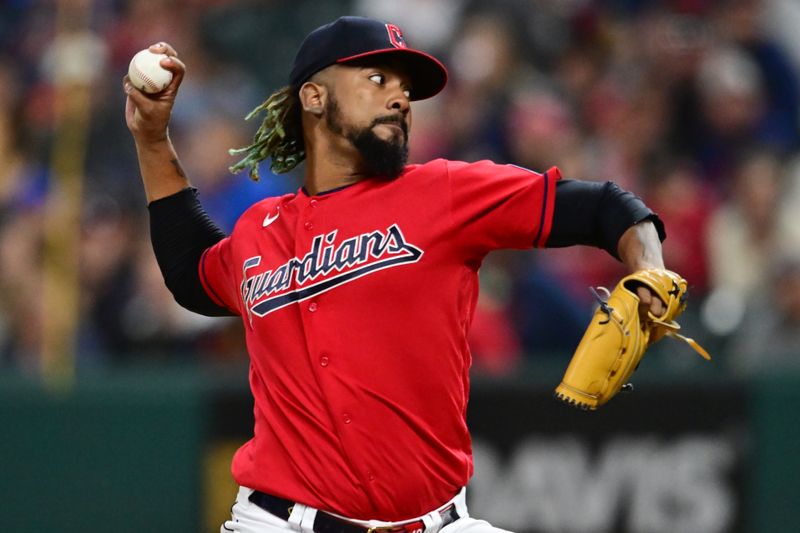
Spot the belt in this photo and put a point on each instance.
(328, 523)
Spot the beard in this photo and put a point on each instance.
(382, 159)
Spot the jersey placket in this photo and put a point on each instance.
(308, 227)
(311, 225)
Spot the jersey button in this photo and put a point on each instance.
(312, 307)
(308, 225)
(346, 418)
(324, 361)
(313, 203)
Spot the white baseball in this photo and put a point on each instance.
(147, 74)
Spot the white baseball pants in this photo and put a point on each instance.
(247, 517)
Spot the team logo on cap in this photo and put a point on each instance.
(395, 36)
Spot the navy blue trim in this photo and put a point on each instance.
(329, 191)
(536, 242)
(277, 302)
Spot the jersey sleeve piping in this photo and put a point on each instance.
(548, 202)
(207, 286)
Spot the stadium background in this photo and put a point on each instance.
(120, 411)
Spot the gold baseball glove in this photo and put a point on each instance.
(617, 337)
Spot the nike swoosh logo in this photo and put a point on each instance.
(270, 219)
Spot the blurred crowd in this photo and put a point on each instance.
(690, 104)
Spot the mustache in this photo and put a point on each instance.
(397, 120)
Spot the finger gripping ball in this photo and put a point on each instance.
(147, 74)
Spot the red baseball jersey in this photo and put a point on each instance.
(356, 305)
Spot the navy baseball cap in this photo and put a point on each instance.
(350, 38)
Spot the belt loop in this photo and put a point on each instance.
(460, 502)
(432, 521)
(302, 517)
(309, 517)
(296, 515)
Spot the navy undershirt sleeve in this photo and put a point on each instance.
(596, 214)
(181, 231)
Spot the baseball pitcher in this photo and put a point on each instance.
(357, 291)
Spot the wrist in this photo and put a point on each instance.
(640, 248)
(153, 143)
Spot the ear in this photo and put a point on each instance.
(313, 97)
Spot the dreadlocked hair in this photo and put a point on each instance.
(280, 136)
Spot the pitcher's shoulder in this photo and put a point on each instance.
(434, 165)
